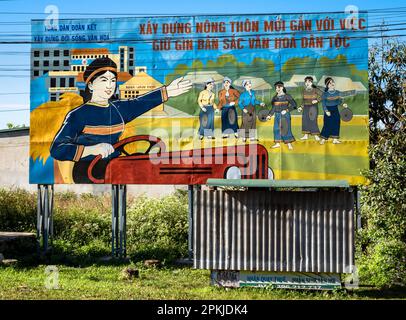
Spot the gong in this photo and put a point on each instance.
(284, 126)
(231, 116)
(313, 113)
(262, 115)
(346, 114)
(205, 120)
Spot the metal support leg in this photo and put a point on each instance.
(45, 220)
(123, 220)
(358, 208)
(114, 220)
(39, 214)
(119, 221)
(190, 231)
(45, 206)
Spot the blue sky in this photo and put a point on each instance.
(14, 85)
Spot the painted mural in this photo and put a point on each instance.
(179, 100)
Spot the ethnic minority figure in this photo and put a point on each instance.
(311, 98)
(247, 103)
(282, 105)
(331, 99)
(228, 99)
(207, 107)
(92, 128)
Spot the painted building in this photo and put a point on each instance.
(139, 69)
(345, 85)
(64, 67)
(124, 58)
(138, 85)
(60, 82)
(359, 87)
(298, 79)
(45, 60)
(262, 87)
(81, 58)
(199, 78)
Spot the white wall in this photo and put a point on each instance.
(14, 172)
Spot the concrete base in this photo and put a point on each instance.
(13, 244)
(110, 259)
(185, 262)
(9, 262)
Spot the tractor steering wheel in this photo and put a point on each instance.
(119, 146)
(153, 141)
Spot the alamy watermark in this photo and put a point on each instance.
(51, 278)
(351, 277)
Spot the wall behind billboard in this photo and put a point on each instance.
(178, 100)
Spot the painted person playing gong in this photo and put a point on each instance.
(331, 99)
(311, 98)
(228, 99)
(247, 103)
(94, 127)
(282, 105)
(207, 107)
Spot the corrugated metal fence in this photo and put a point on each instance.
(274, 230)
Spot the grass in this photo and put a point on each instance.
(157, 229)
(108, 282)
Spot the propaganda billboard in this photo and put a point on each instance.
(178, 100)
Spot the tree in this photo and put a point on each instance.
(387, 100)
(13, 126)
(382, 240)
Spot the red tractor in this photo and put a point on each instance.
(158, 166)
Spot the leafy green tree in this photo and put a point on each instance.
(382, 240)
(387, 74)
(13, 126)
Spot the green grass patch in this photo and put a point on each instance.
(107, 282)
(157, 228)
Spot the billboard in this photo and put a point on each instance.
(178, 100)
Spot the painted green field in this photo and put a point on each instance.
(188, 102)
(307, 160)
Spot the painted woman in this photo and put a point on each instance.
(247, 103)
(228, 100)
(94, 127)
(311, 98)
(207, 107)
(331, 99)
(282, 105)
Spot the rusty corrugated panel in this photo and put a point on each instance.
(274, 231)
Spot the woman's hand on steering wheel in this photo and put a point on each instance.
(103, 149)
